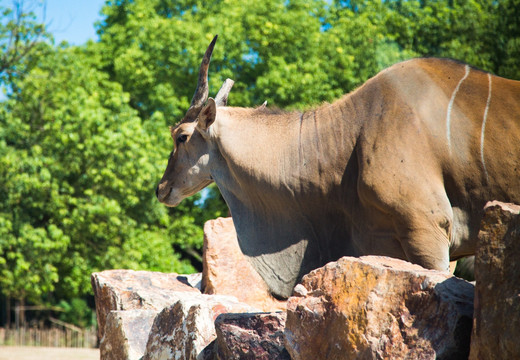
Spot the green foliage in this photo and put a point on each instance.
(445, 28)
(76, 311)
(291, 53)
(508, 39)
(78, 174)
(83, 132)
(261, 47)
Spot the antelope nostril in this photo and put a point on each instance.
(161, 194)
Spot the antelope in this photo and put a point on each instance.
(400, 167)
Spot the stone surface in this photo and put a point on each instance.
(251, 336)
(128, 290)
(185, 328)
(126, 333)
(496, 326)
(228, 272)
(379, 308)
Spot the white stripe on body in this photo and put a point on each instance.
(484, 128)
(450, 106)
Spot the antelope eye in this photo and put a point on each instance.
(182, 138)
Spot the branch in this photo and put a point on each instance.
(17, 48)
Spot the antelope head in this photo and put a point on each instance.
(188, 169)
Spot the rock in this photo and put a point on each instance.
(126, 333)
(379, 308)
(128, 290)
(251, 336)
(496, 325)
(184, 329)
(226, 271)
(193, 280)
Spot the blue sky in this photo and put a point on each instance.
(68, 20)
(72, 20)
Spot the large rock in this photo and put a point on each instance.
(496, 327)
(184, 329)
(152, 315)
(251, 336)
(126, 333)
(131, 290)
(226, 271)
(379, 308)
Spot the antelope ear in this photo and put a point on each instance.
(207, 115)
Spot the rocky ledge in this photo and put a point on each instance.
(355, 308)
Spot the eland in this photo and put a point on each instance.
(400, 167)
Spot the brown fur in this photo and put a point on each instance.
(400, 167)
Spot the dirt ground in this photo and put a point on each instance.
(47, 353)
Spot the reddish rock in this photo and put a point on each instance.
(251, 336)
(126, 333)
(129, 289)
(226, 271)
(379, 308)
(496, 326)
(184, 329)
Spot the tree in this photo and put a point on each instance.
(83, 131)
(20, 34)
(508, 39)
(456, 29)
(78, 170)
(77, 175)
(291, 53)
(153, 49)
